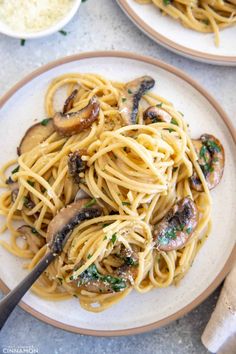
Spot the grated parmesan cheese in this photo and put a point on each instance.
(33, 15)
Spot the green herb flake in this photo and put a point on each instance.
(30, 183)
(125, 203)
(113, 238)
(105, 225)
(89, 256)
(22, 42)
(129, 91)
(212, 146)
(105, 238)
(189, 230)
(174, 121)
(159, 104)
(44, 122)
(206, 21)
(166, 2)
(203, 152)
(90, 203)
(64, 33)
(26, 201)
(123, 99)
(15, 170)
(75, 295)
(175, 169)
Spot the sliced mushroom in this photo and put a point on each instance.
(175, 229)
(154, 114)
(76, 165)
(122, 277)
(211, 159)
(72, 123)
(69, 102)
(32, 237)
(14, 187)
(131, 95)
(35, 135)
(61, 226)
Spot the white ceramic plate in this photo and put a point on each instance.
(169, 33)
(136, 313)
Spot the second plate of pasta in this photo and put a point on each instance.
(204, 31)
(111, 153)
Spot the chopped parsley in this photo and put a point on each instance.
(203, 152)
(26, 201)
(125, 203)
(33, 230)
(159, 104)
(212, 146)
(123, 99)
(206, 21)
(15, 170)
(166, 2)
(22, 42)
(113, 238)
(207, 168)
(170, 234)
(44, 122)
(129, 91)
(91, 273)
(90, 203)
(89, 256)
(105, 238)
(105, 225)
(174, 121)
(31, 183)
(64, 33)
(175, 169)
(189, 230)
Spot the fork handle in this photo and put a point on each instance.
(9, 302)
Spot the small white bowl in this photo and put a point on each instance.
(45, 32)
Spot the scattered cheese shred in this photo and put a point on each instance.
(33, 15)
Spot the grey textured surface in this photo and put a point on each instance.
(101, 25)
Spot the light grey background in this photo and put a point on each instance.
(101, 25)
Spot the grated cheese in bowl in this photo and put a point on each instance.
(33, 15)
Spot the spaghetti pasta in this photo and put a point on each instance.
(137, 173)
(202, 16)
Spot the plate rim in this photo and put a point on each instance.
(229, 262)
(169, 44)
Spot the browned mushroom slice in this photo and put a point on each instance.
(154, 114)
(14, 187)
(72, 123)
(211, 159)
(32, 237)
(130, 97)
(69, 102)
(122, 277)
(67, 219)
(76, 165)
(35, 135)
(175, 229)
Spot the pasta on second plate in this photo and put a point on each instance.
(120, 156)
(203, 16)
